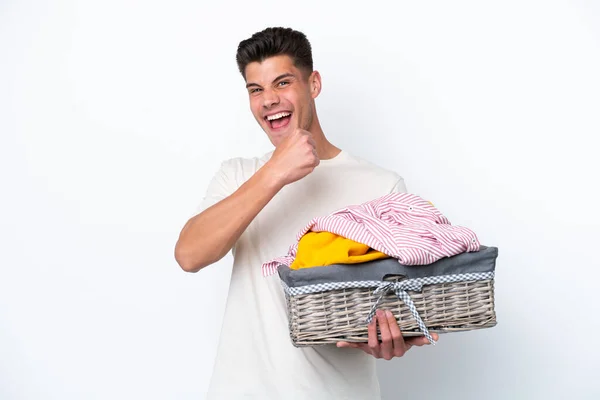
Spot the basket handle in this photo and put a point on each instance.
(395, 277)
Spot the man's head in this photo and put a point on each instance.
(278, 69)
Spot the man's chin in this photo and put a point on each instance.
(277, 137)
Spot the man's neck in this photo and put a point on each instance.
(325, 150)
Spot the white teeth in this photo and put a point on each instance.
(277, 116)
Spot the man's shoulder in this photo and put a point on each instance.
(371, 167)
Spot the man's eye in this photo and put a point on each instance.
(283, 83)
(255, 90)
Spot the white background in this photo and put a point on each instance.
(114, 115)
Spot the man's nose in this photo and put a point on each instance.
(270, 98)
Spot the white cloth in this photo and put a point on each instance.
(255, 358)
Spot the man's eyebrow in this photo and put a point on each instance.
(287, 75)
(282, 76)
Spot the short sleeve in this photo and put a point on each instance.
(221, 186)
(399, 187)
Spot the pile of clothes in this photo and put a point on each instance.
(403, 226)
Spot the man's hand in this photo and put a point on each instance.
(392, 343)
(295, 157)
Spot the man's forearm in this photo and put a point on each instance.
(208, 236)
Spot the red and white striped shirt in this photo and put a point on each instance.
(401, 225)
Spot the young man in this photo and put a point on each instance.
(255, 207)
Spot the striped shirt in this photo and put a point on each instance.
(401, 225)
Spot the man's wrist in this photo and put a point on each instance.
(271, 178)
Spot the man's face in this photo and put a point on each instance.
(281, 98)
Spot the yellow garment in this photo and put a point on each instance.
(316, 249)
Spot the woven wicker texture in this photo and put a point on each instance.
(339, 315)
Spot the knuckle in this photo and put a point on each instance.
(399, 353)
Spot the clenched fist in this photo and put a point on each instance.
(295, 157)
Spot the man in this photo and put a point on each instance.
(255, 207)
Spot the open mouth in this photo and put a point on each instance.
(279, 120)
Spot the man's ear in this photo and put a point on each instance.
(315, 84)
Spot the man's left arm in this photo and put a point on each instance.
(392, 344)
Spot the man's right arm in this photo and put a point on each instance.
(208, 237)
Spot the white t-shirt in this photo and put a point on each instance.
(255, 357)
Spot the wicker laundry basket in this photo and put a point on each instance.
(334, 303)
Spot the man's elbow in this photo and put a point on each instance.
(189, 267)
(186, 262)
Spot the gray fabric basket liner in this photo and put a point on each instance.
(483, 260)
